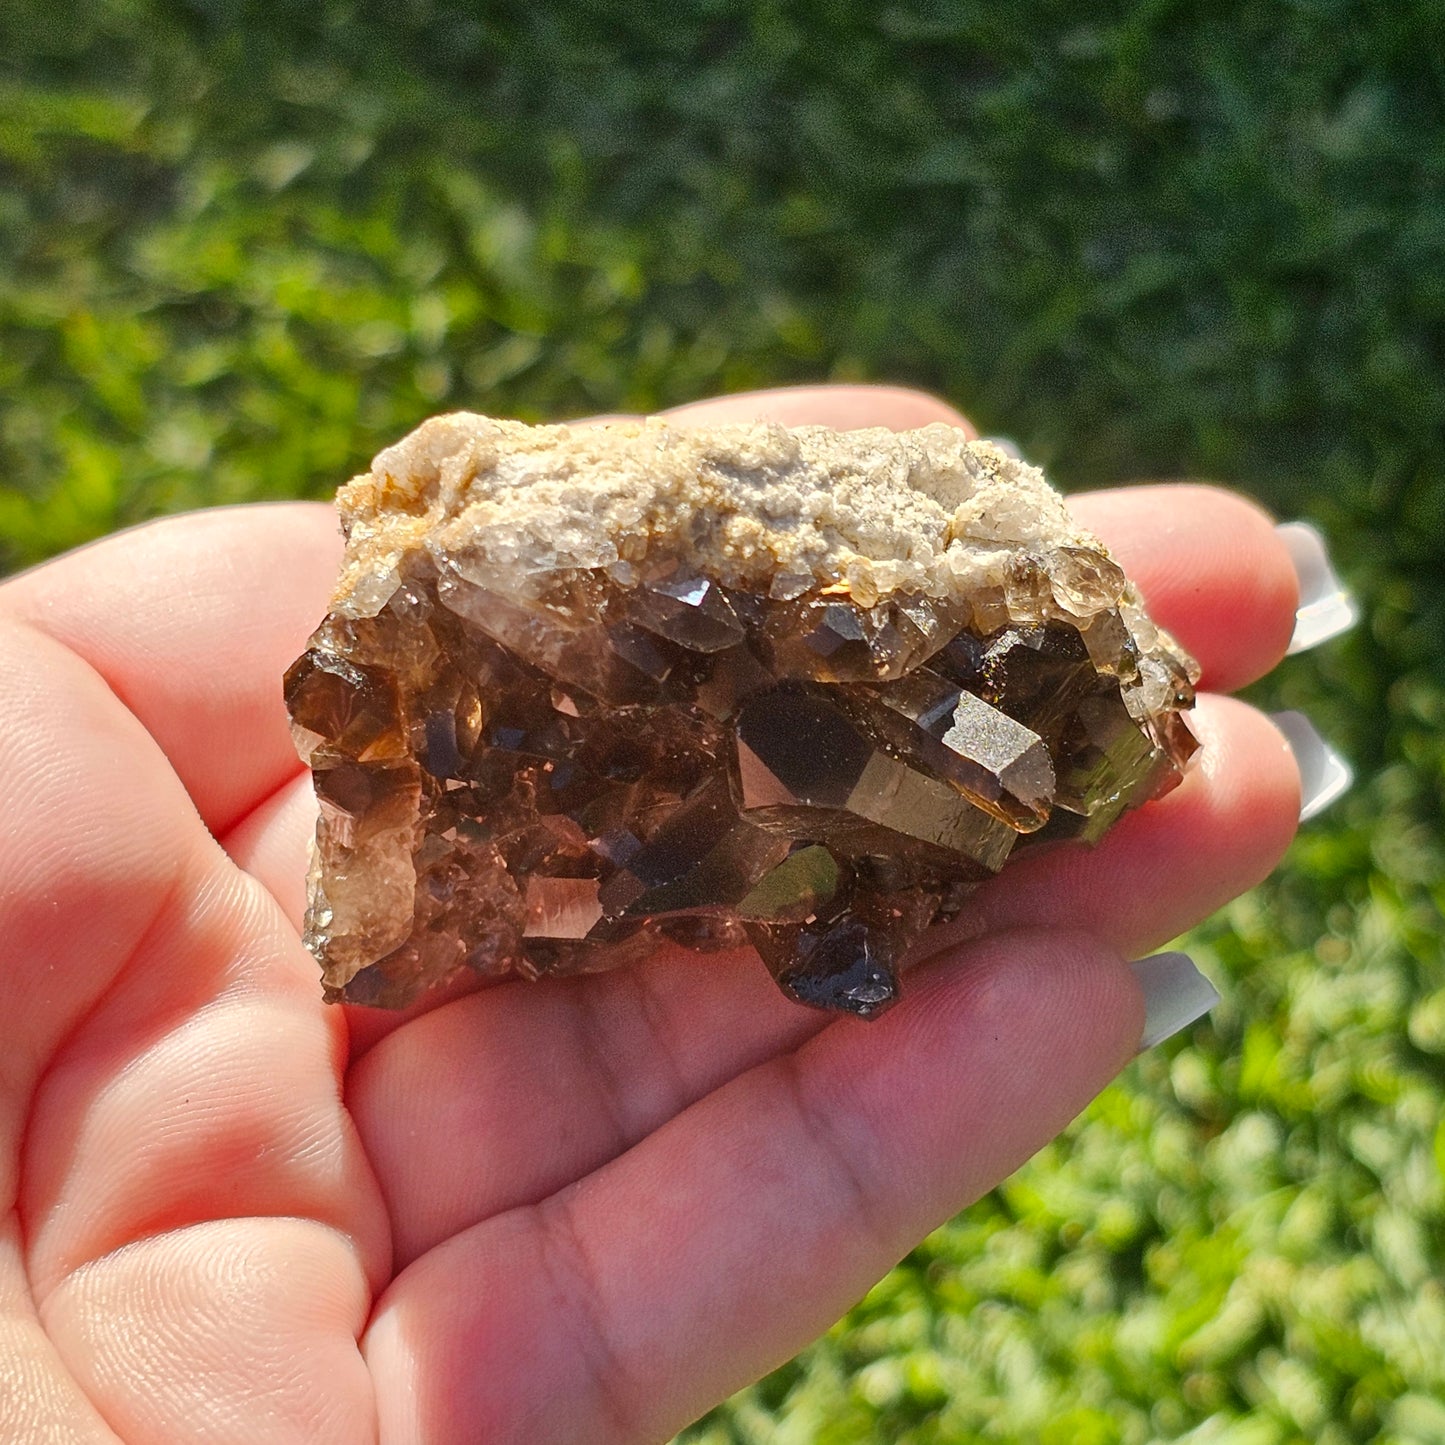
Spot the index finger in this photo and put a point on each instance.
(191, 621)
(1212, 570)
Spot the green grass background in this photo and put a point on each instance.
(243, 245)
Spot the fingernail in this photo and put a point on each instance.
(1006, 445)
(1326, 609)
(1323, 774)
(1175, 995)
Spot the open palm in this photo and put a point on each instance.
(574, 1211)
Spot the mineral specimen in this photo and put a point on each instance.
(582, 689)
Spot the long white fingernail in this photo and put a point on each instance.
(1326, 608)
(1175, 995)
(1323, 774)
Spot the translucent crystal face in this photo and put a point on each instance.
(549, 784)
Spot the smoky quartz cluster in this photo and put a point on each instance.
(543, 740)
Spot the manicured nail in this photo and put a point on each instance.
(1323, 774)
(1175, 995)
(1326, 609)
(1005, 445)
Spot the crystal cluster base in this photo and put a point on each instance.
(549, 778)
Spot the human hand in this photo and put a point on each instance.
(583, 1210)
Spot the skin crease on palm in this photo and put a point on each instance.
(576, 1211)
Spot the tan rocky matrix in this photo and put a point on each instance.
(581, 689)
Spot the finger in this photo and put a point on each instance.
(40, 1400)
(1169, 865)
(95, 838)
(273, 842)
(222, 1058)
(619, 1310)
(241, 1329)
(843, 407)
(548, 1081)
(192, 621)
(1211, 568)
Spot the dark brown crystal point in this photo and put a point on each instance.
(529, 765)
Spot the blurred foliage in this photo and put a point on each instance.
(243, 245)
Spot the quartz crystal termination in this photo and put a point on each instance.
(584, 689)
